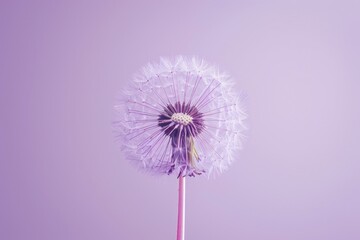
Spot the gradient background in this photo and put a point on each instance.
(63, 62)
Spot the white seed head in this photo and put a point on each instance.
(181, 118)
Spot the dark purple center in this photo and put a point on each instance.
(182, 135)
(172, 128)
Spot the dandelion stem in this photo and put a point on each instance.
(181, 209)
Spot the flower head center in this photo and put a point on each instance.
(182, 118)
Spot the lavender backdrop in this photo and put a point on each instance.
(62, 63)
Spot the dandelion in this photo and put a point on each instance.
(180, 116)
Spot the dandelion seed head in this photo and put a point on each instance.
(180, 116)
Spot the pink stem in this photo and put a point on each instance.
(181, 209)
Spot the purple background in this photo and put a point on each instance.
(62, 64)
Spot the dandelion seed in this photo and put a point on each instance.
(180, 116)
